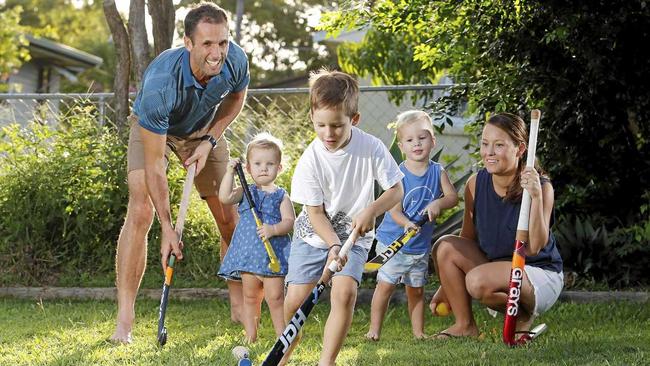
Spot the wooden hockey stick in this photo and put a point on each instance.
(180, 223)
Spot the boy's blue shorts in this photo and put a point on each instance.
(306, 263)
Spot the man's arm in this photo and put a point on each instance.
(156, 179)
(228, 110)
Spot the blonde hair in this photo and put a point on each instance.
(333, 90)
(265, 141)
(413, 116)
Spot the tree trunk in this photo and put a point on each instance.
(238, 21)
(123, 64)
(139, 43)
(163, 16)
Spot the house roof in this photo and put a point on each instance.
(299, 81)
(61, 55)
(354, 36)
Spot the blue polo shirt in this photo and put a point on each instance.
(171, 101)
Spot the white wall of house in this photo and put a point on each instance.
(26, 80)
(378, 112)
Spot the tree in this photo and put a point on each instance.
(581, 62)
(12, 44)
(163, 16)
(139, 42)
(132, 44)
(79, 24)
(276, 36)
(123, 53)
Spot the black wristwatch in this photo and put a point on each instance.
(212, 140)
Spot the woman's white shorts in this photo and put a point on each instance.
(547, 286)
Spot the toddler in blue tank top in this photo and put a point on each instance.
(427, 191)
(247, 258)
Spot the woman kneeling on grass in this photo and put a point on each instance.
(477, 263)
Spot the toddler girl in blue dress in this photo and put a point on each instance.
(246, 258)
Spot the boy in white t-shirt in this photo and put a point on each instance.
(334, 180)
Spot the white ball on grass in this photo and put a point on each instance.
(240, 352)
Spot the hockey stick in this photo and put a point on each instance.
(180, 222)
(532, 334)
(298, 320)
(274, 264)
(521, 240)
(383, 257)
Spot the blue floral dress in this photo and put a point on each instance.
(246, 252)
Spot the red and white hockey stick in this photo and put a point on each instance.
(521, 240)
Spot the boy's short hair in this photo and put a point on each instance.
(333, 90)
(265, 141)
(412, 116)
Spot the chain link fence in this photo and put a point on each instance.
(282, 112)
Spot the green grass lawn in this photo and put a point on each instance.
(200, 333)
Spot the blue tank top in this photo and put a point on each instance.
(419, 191)
(495, 221)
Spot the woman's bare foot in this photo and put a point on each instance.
(457, 331)
(420, 336)
(524, 322)
(372, 336)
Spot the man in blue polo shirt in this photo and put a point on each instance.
(188, 97)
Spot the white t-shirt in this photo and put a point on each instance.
(343, 180)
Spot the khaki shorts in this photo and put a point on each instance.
(208, 181)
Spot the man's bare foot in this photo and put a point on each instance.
(122, 335)
(372, 336)
(457, 331)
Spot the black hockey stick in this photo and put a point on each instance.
(298, 320)
(383, 257)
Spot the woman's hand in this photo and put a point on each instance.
(529, 181)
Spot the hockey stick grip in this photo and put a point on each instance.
(524, 211)
(185, 200)
(333, 266)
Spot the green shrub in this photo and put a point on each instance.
(618, 257)
(63, 197)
